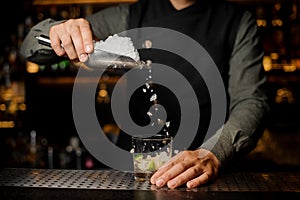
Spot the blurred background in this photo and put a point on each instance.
(36, 122)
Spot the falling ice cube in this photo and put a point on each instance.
(153, 97)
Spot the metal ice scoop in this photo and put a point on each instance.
(100, 59)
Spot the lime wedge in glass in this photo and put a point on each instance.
(138, 157)
(151, 166)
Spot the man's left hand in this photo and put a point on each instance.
(194, 168)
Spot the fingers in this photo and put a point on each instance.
(73, 38)
(164, 169)
(83, 40)
(184, 176)
(187, 167)
(56, 41)
(179, 170)
(87, 37)
(174, 168)
(200, 180)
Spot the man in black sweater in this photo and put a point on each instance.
(229, 35)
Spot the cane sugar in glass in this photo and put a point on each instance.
(149, 154)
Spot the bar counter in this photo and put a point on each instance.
(23, 183)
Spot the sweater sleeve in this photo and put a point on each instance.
(109, 21)
(248, 100)
(34, 51)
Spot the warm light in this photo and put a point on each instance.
(267, 63)
(284, 95)
(7, 95)
(274, 56)
(277, 22)
(261, 22)
(7, 124)
(32, 67)
(3, 107)
(289, 68)
(103, 93)
(22, 107)
(13, 107)
(296, 62)
(277, 6)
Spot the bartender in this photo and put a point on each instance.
(227, 32)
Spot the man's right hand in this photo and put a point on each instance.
(73, 38)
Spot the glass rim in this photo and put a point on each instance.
(158, 137)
